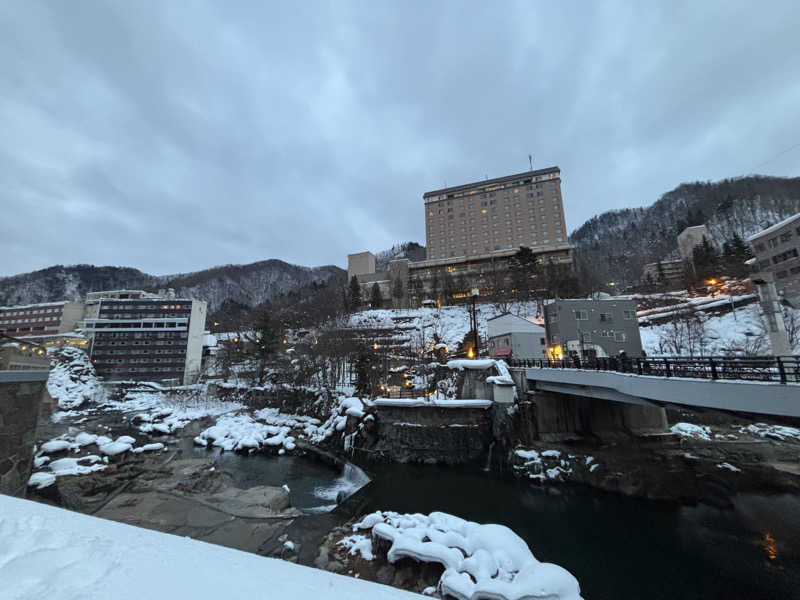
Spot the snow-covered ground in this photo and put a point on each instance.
(480, 561)
(52, 553)
(725, 332)
(449, 323)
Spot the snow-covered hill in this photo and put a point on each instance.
(617, 244)
(250, 284)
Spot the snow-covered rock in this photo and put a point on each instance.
(360, 544)
(700, 432)
(72, 380)
(480, 561)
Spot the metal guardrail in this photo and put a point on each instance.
(781, 369)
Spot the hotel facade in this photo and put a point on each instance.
(135, 335)
(473, 230)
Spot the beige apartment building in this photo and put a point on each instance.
(486, 218)
(777, 258)
(690, 238)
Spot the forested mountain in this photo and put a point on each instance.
(248, 285)
(615, 245)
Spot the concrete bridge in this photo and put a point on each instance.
(768, 386)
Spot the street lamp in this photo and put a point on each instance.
(474, 293)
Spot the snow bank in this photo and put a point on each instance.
(48, 552)
(700, 432)
(72, 380)
(480, 561)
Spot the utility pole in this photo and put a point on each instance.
(770, 304)
(730, 297)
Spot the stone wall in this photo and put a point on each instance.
(19, 412)
(427, 434)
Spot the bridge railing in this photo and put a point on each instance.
(782, 369)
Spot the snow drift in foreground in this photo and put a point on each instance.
(480, 561)
(48, 552)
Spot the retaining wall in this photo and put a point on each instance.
(19, 414)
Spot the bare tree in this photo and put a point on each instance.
(684, 334)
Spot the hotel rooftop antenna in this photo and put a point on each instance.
(530, 161)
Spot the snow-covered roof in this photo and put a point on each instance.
(510, 323)
(40, 305)
(774, 228)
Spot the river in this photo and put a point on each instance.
(617, 547)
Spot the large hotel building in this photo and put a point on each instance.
(479, 219)
(473, 230)
(141, 336)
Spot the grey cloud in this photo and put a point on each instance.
(177, 136)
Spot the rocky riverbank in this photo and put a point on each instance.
(691, 463)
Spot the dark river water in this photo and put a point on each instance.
(617, 547)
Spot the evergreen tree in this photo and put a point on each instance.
(365, 373)
(398, 290)
(376, 300)
(355, 294)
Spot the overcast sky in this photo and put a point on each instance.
(174, 136)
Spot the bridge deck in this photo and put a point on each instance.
(769, 398)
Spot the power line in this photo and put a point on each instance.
(779, 154)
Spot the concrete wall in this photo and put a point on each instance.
(19, 410)
(562, 417)
(72, 314)
(361, 263)
(689, 238)
(194, 342)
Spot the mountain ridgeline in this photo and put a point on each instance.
(615, 245)
(248, 285)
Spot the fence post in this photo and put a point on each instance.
(713, 368)
(639, 366)
(781, 369)
(666, 367)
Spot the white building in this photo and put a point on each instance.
(511, 336)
